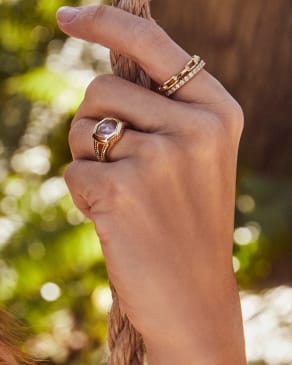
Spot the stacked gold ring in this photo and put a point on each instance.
(192, 68)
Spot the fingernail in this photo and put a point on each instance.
(66, 14)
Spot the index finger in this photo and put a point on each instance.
(144, 42)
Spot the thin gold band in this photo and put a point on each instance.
(102, 149)
(192, 68)
(187, 78)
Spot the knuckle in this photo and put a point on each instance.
(233, 118)
(206, 137)
(98, 86)
(119, 192)
(77, 133)
(115, 192)
(73, 135)
(146, 33)
(70, 174)
(211, 132)
(155, 148)
(161, 155)
(72, 178)
(237, 118)
(103, 227)
(204, 125)
(99, 12)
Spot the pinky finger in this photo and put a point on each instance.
(82, 178)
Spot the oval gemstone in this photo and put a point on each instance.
(107, 128)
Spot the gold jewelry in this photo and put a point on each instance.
(106, 134)
(185, 79)
(192, 68)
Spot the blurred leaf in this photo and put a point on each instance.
(43, 84)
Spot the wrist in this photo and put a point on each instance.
(208, 354)
(196, 350)
(213, 336)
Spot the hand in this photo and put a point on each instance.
(163, 207)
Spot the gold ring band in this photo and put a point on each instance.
(106, 134)
(192, 68)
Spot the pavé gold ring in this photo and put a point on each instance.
(191, 69)
(106, 134)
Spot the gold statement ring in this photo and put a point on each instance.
(191, 69)
(106, 134)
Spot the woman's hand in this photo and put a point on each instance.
(163, 207)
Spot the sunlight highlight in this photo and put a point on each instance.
(50, 292)
(102, 299)
(52, 190)
(245, 204)
(242, 236)
(34, 160)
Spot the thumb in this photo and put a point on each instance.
(67, 14)
(111, 27)
(126, 33)
(139, 39)
(91, 23)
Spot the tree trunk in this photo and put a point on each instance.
(247, 45)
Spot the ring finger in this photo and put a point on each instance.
(81, 142)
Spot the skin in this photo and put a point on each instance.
(164, 206)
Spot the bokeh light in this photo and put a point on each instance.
(242, 236)
(245, 203)
(102, 299)
(35, 160)
(50, 292)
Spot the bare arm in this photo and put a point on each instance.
(163, 208)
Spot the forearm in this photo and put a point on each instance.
(214, 336)
(164, 209)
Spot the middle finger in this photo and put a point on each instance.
(142, 108)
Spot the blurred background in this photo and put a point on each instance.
(52, 274)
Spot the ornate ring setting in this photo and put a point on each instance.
(106, 134)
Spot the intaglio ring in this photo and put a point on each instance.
(106, 134)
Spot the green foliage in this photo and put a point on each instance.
(53, 276)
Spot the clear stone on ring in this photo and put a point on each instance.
(107, 128)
